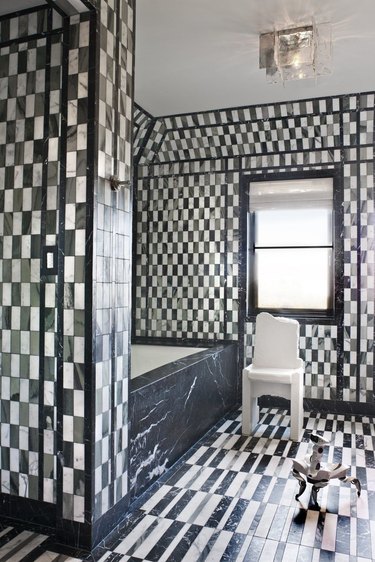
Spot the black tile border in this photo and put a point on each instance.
(328, 99)
(25, 510)
(43, 254)
(90, 312)
(61, 270)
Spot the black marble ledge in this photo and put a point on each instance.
(339, 407)
(169, 414)
(183, 342)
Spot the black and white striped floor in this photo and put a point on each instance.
(232, 498)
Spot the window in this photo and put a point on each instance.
(291, 246)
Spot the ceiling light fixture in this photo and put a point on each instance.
(296, 53)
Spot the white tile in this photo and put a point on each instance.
(136, 535)
(329, 532)
(248, 517)
(269, 551)
(309, 529)
(290, 553)
(218, 548)
(199, 545)
(265, 522)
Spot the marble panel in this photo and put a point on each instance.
(170, 408)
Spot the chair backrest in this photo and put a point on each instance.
(276, 342)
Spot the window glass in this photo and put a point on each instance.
(302, 227)
(294, 279)
(291, 245)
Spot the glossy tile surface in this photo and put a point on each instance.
(232, 498)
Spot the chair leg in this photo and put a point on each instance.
(296, 412)
(246, 419)
(250, 409)
(254, 413)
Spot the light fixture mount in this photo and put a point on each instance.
(296, 52)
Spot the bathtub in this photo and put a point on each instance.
(145, 358)
(174, 404)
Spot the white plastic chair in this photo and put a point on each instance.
(276, 370)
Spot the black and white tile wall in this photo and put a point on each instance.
(112, 274)
(141, 124)
(65, 126)
(66, 91)
(70, 386)
(209, 153)
(30, 82)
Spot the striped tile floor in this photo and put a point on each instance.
(232, 498)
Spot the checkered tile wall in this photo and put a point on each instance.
(30, 83)
(49, 164)
(71, 384)
(143, 121)
(112, 273)
(295, 136)
(185, 234)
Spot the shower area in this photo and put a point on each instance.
(76, 446)
(66, 75)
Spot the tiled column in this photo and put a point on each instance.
(66, 94)
(93, 483)
(112, 251)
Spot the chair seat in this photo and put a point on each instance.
(271, 374)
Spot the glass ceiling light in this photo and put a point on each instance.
(296, 53)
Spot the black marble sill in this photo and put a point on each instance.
(180, 342)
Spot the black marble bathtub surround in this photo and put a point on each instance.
(173, 406)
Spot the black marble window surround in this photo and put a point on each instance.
(334, 312)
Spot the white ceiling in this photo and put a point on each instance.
(194, 55)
